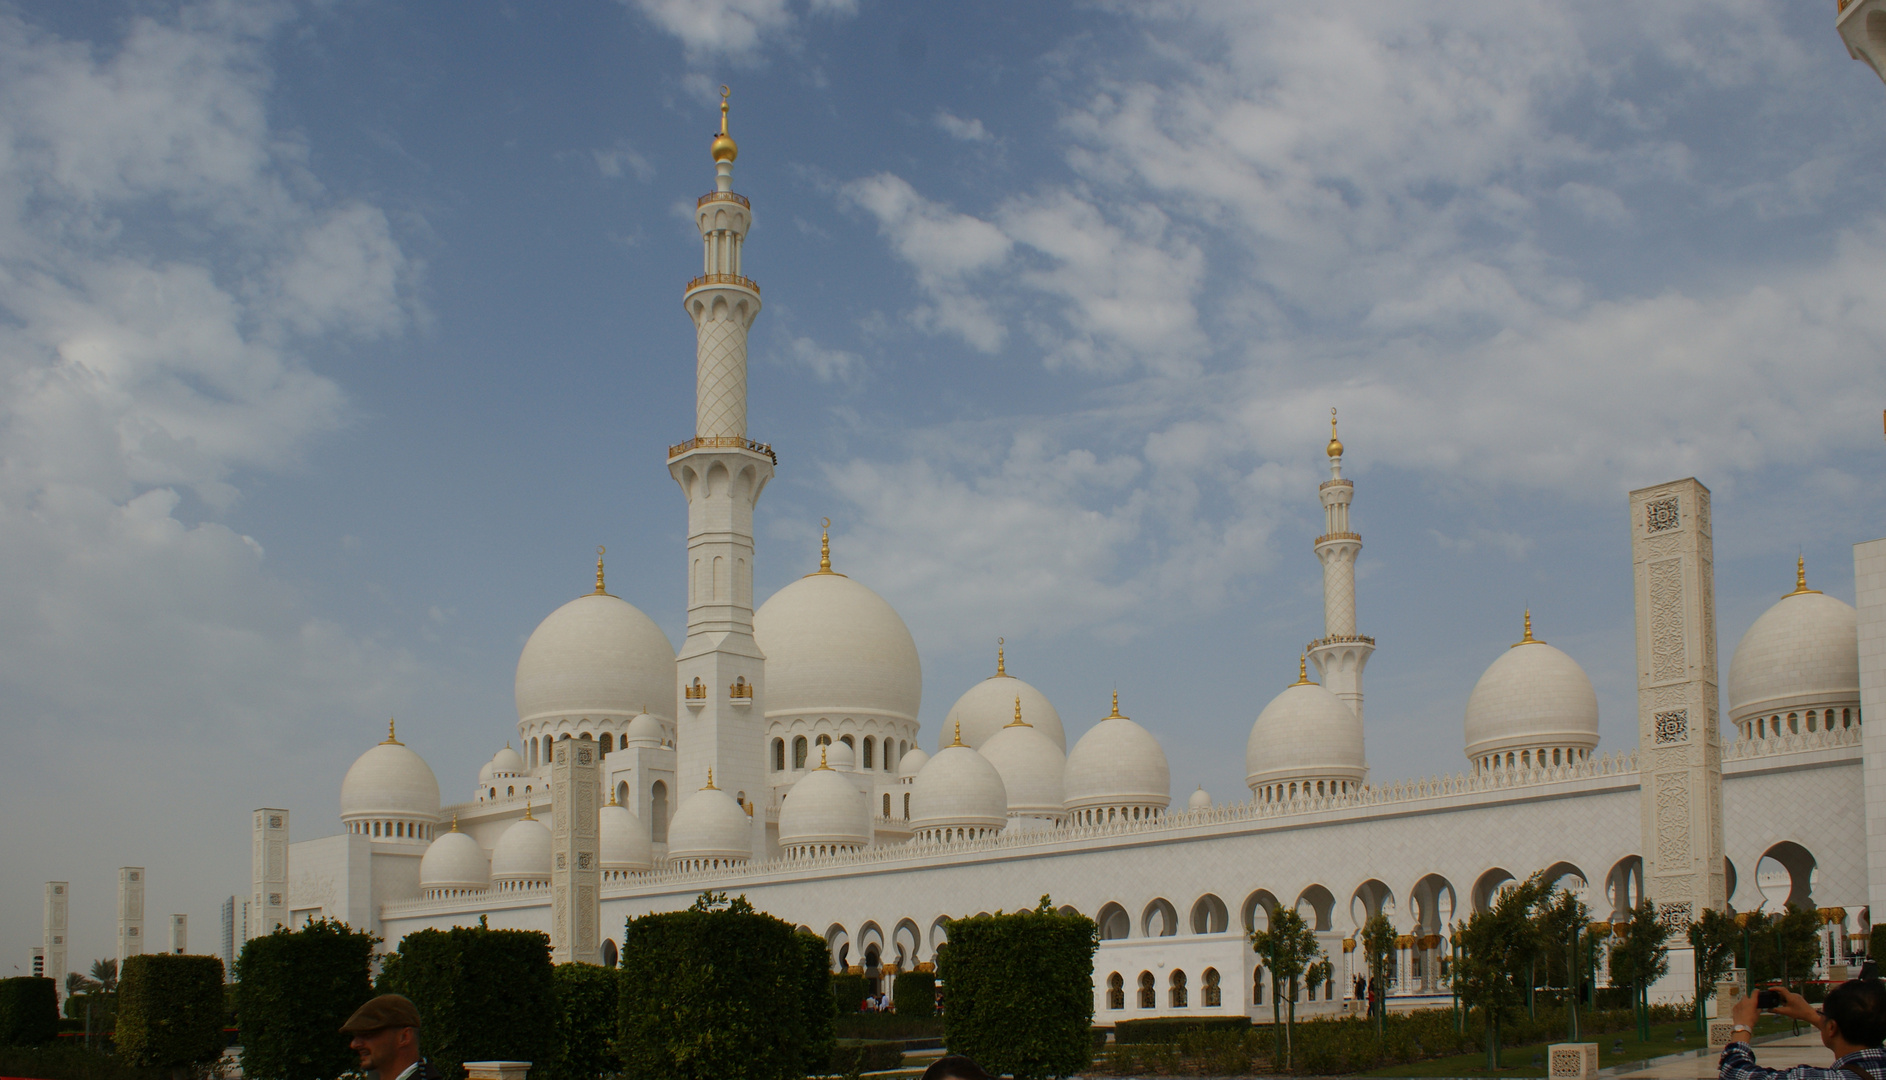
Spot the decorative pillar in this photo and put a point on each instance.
(1348, 966)
(1679, 748)
(576, 859)
(268, 872)
(52, 933)
(130, 913)
(1404, 944)
(179, 934)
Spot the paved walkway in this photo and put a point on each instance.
(1802, 1049)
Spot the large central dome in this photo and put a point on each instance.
(596, 656)
(834, 646)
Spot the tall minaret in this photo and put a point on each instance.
(1341, 653)
(720, 669)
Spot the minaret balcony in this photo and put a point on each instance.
(735, 280)
(722, 196)
(735, 441)
(1326, 538)
(1340, 639)
(1335, 484)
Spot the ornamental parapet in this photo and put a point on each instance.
(735, 441)
(722, 196)
(723, 279)
(1327, 537)
(1341, 639)
(1327, 484)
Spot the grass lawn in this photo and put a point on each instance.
(1518, 1060)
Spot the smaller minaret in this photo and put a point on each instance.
(1341, 653)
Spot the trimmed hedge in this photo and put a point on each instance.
(104, 1010)
(298, 987)
(1029, 1019)
(866, 1055)
(848, 992)
(482, 994)
(1172, 1029)
(913, 993)
(29, 1011)
(723, 990)
(170, 1010)
(1876, 943)
(588, 998)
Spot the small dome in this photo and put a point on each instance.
(834, 646)
(1199, 800)
(389, 780)
(522, 852)
(507, 762)
(1532, 696)
(987, 707)
(596, 656)
(824, 807)
(1802, 653)
(644, 730)
(1031, 767)
(1117, 763)
(710, 825)
(958, 788)
(1305, 733)
(454, 861)
(484, 772)
(912, 763)
(841, 756)
(624, 840)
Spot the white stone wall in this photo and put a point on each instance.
(1869, 588)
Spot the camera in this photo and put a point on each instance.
(1767, 999)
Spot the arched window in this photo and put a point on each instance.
(1257, 986)
(1178, 994)
(1148, 991)
(658, 811)
(510, 789)
(1116, 991)
(1213, 994)
(779, 755)
(608, 953)
(887, 804)
(870, 745)
(494, 793)
(906, 806)
(1794, 724)
(823, 740)
(622, 793)
(608, 742)
(902, 749)
(798, 751)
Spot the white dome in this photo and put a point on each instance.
(1305, 733)
(507, 762)
(841, 757)
(454, 861)
(1031, 767)
(1199, 800)
(624, 840)
(1533, 696)
(1117, 763)
(644, 730)
(988, 706)
(391, 781)
(834, 646)
(484, 772)
(710, 825)
(522, 852)
(824, 807)
(912, 763)
(957, 788)
(595, 656)
(1802, 653)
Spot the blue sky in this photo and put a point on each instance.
(337, 335)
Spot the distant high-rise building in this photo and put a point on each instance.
(235, 932)
(130, 913)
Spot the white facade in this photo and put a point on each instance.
(776, 754)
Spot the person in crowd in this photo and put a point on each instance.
(385, 1033)
(1852, 1023)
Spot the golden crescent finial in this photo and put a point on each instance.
(1335, 444)
(725, 93)
(1001, 658)
(1115, 714)
(710, 781)
(527, 814)
(599, 553)
(959, 732)
(1528, 639)
(455, 821)
(1800, 577)
(822, 762)
(723, 148)
(1303, 670)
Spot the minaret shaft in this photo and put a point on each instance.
(1341, 653)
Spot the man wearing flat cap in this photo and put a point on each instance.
(386, 1036)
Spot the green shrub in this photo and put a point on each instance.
(29, 1011)
(104, 1010)
(1171, 1029)
(1032, 1019)
(170, 1010)
(298, 987)
(848, 992)
(588, 998)
(722, 990)
(865, 1055)
(70, 1062)
(482, 994)
(1876, 943)
(913, 993)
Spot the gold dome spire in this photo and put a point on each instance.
(1335, 444)
(527, 814)
(822, 764)
(724, 148)
(455, 821)
(1001, 660)
(391, 739)
(1115, 714)
(958, 741)
(1303, 670)
(710, 782)
(1528, 639)
(599, 589)
(1800, 578)
(1018, 721)
(825, 550)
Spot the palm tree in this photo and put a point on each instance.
(76, 984)
(106, 972)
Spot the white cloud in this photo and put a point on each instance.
(945, 249)
(956, 127)
(828, 365)
(731, 27)
(621, 158)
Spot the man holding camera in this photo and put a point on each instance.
(1852, 1023)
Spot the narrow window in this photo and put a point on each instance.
(1148, 991)
(1213, 994)
(1116, 991)
(1178, 993)
(608, 743)
(870, 744)
(779, 755)
(658, 811)
(798, 751)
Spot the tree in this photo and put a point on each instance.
(1714, 938)
(298, 987)
(482, 994)
(1562, 921)
(588, 1001)
(76, 984)
(106, 973)
(1287, 948)
(1378, 952)
(1497, 946)
(1640, 955)
(1030, 1019)
(170, 1011)
(29, 1011)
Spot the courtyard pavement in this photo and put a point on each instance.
(1781, 1053)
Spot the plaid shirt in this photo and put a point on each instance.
(1738, 1063)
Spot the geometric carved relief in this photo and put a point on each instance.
(1661, 515)
(1675, 915)
(1673, 821)
(1672, 726)
(1667, 659)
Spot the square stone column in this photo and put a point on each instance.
(1869, 597)
(268, 872)
(52, 933)
(1679, 751)
(130, 913)
(576, 852)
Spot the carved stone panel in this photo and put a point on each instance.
(1662, 515)
(1667, 659)
(1673, 820)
